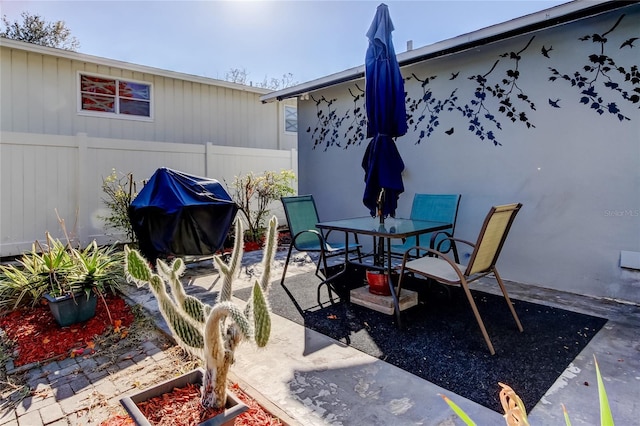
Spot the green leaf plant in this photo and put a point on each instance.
(59, 269)
(254, 193)
(515, 413)
(211, 333)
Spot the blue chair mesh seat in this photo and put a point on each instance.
(434, 207)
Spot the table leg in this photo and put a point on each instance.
(396, 302)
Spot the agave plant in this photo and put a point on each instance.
(211, 333)
(57, 269)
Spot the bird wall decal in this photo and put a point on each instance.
(628, 42)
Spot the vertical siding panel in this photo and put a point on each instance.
(67, 90)
(258, 132)
(232, 114)
(262, 135)
(223, 106)
(178, 112)
(242, 120)
(187, 113)
(51, 95)
(35, 93)
(158, 104)
(167, 119)
(216, 130)
(19, 91)
(199, 109)
(229, 110)
(237, 137)
(204, 114)
(6, 91)
(193, 96)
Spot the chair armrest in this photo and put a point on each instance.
(321, 239)
(326, 236)
(451, 240)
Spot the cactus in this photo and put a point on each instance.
(211, 333)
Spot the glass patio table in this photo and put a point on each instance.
(391, 228)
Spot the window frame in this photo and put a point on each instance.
(284, 109)
(116, 114)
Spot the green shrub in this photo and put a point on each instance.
(120, 190)
(253, 194)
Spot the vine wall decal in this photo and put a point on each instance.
(355, 133)
(497, 94)
(601, 70)
(427, 104)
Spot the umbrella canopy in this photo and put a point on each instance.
(181, 215)
(386, 119)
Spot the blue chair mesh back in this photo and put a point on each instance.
(435, 207)
(302, 216)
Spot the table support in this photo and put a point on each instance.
(394, 296)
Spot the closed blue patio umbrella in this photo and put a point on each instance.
(386, 119)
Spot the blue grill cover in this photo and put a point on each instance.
(177, 214)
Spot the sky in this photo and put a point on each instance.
(309, 39)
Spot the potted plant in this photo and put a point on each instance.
(70, 280)
(211, 333)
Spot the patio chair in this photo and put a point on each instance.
(302, 216)
(435, 207)
(481, 263)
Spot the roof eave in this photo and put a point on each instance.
(546, 18)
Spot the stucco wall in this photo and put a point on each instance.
(575, 169)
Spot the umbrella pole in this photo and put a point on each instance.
(380, 205)
(379, 258)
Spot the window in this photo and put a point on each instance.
(290, 119)
(114, 96)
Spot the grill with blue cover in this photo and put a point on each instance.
(177, 214)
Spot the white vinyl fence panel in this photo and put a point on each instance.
(44, 177)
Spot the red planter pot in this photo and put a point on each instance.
(379, 282)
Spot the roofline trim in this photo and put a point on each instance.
(547, 18)
(82, 57)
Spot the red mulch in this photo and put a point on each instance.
(39, 338)
(181, 407)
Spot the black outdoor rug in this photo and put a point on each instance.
(440, 340)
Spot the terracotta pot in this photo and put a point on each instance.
(379, 283)
(233, 408)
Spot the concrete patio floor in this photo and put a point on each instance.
(319, 381)
(312, 379)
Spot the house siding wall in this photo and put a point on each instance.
(577, 171)
(40, 91)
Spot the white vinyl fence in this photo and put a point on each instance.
(45, 177)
